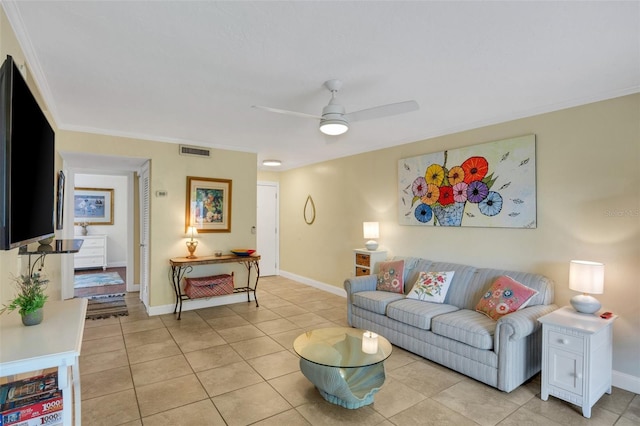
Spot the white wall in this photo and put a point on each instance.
(117, 233)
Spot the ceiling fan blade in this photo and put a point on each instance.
(284, 111)
(383, 111)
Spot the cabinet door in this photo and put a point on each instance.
(565, 370)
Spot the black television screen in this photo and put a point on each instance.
(27, 156)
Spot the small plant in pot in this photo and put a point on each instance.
(30, 298)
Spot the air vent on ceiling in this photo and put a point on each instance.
(195, 151)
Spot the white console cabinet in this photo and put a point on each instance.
(93, 253)
(576, 357)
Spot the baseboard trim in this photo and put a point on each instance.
(626, 381)
(313, 283)
(191, 304)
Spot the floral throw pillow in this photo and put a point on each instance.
(505, 295)
(431, 286)
(390, 276)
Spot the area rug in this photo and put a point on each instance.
(97, 279)
(105, 306)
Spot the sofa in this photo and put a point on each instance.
(502, 353)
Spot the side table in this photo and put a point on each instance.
(576, 357)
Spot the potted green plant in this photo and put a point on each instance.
(30, 298)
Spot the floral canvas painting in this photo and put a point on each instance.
(487, 185)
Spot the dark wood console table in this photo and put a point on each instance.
(180, 266)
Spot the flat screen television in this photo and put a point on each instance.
(27, 161)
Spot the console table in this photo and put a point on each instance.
(56, 342)
(180, 266)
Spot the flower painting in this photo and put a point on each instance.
(487, 185)
(208, 204)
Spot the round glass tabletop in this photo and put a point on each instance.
(342, 347)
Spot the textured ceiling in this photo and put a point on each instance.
(189, 72)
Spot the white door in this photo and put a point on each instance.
(267, 228)
(144, 234)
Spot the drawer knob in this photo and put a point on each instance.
(564, 341)
(579, 375)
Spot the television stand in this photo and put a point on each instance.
(42, 250)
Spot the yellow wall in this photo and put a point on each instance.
(169, 172)
(12, 265)
(588, 180)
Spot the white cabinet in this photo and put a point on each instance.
(576, 357)
(93, 253)
(366, 261)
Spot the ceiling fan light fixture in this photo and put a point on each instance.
(333, 127)
(272, 163)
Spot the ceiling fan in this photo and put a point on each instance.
(335, 121)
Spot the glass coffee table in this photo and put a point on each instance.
(334, 361)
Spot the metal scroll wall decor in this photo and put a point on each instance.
(487, 185)
(309, 211)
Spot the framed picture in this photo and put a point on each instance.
(208, 204)
(60, 201)
(486, 185)
(93, 206)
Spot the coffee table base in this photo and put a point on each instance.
(348, 387)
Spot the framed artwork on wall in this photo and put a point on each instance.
(486, 185)
(208, 204)
(93, 206)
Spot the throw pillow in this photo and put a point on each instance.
(390, 276)
(505, 295)
(431, 286)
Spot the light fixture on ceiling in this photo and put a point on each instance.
(272, 163)
(333, 127)
(333, 121)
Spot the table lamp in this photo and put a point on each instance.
(371, 231)
(587, 278)
(192, 244)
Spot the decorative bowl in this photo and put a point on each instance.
(242, 252)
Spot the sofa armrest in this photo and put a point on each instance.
(361, 283)
(522, 323)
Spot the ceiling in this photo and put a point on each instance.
(189, 72)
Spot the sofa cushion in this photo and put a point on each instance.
(504, 296)
(466, 326)
(431, 286)
(375, 301)
(391, 276)
(416, 313)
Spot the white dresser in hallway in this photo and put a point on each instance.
(93, 253)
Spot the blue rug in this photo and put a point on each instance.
(97, 279)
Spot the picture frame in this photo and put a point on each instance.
(93, 206)
(208, 205)
(60, 201)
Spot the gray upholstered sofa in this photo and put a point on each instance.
(503, 354)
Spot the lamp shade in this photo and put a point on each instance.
(192, 231)
(586, 277)
(371, 229)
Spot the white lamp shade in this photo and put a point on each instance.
(586, 277)
(192, 231)
(371, 229)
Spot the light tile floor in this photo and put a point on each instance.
(235, 365)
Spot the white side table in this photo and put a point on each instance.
(576, 357)
(366, 261)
